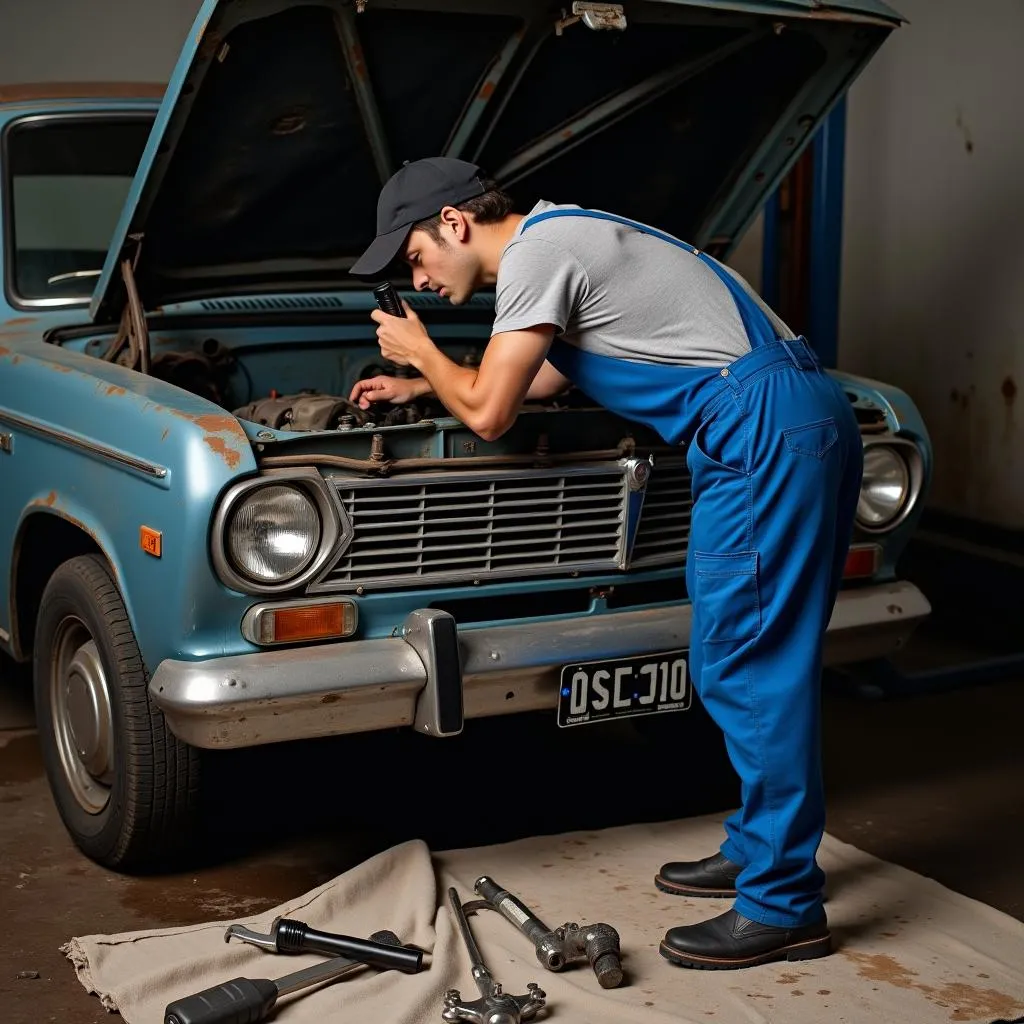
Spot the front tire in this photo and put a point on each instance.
(126, 788)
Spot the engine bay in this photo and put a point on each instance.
(267, 385)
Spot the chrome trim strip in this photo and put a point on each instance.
(612, 467)
(4, 635)
(362, 685)
(251, 619)
(150, 469)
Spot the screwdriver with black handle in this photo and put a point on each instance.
(249, 1000)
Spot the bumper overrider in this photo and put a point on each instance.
(435, 675)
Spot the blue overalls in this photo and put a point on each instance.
(775, 457)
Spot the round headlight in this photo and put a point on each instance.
(274, 534)
(884, 488)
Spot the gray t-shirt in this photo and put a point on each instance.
(615, 291)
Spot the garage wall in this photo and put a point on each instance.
(933, 255)
(89, 40)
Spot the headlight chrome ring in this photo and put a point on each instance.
(885, 488)
(274, 533)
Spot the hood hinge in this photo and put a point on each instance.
(132, 330)
(595, 16)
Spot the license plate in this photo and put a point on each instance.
(650, 684)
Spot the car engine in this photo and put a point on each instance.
(311, 410)
(215, 373)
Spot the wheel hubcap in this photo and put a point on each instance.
(82, 720)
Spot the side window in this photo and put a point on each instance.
(67, 181)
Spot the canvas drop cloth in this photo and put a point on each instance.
(909, 950)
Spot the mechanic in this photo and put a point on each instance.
(662, 334)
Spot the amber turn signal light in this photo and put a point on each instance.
(862, 561)
(295, 623)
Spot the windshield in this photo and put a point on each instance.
(68, 179)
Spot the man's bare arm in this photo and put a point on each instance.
(548, 383)
(489, 398)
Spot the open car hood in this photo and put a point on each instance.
(283, 118)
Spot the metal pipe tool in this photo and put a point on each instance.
(493, 1006)
(288, 936)
(555, 947)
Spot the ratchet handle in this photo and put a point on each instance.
(239, 1001)
(388, 300)
(298, 937)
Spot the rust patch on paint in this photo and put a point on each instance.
(4, 351)
(230, 449)
(968, 1001)
(212, 423)
(486, 90)
(115, 390)
(59, 367)
(218, 447)
(20, 320)
(50, 500)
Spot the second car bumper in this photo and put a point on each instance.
(364, 685)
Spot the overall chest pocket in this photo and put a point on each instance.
(727, 590)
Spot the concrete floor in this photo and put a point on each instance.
(934, 783)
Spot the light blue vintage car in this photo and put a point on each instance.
(204, 545)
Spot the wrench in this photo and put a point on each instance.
(494, 1006)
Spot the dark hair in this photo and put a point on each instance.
(492, 206)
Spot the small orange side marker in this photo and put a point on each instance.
(151, 541)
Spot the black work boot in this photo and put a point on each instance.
(731, 941)
(713, 876)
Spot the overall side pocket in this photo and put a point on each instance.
(813, 439)
(729, 596)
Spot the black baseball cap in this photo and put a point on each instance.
(418, 190)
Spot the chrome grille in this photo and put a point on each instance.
(475, 526)
(664, 529)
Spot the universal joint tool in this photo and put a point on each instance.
(494, 1006)
(287, 936)
(596, 943)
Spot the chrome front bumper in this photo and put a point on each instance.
(364, 685)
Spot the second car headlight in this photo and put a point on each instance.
(274, 533)
(884, 488)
